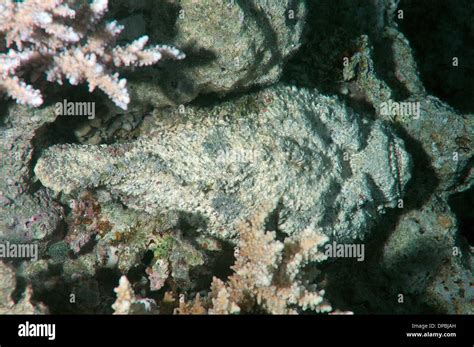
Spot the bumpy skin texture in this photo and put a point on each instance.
(329, 167)
(445, 135)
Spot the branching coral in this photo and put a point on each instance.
(267, 272)
(270, 276)
(128, 303)
(67, 39)
(267, 277)
(125, 297)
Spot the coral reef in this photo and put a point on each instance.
(373, 67)
(127, 303)
(68, 40)
(7, 304)
(268, 272)
(449, 155)
(293, 128)
(267, 277)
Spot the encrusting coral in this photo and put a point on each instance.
(67, 39)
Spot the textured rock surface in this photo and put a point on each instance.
(445, 135)
(412, 253)
(7, 288)
(421, 258)
(448, 139)
(230, 45)
(426, 257)
(438, 34)
(329, 167)
(27, 213)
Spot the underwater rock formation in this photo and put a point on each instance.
(7, 287)
(426, 255)
(445, 135)
(367, 140)
(230, 46)
(27, 212)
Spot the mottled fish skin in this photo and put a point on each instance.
(328, 167)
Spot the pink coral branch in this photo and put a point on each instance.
(71, 40)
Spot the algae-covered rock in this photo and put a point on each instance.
(230, 45)
(426, 257)
(27, 211)
(7, 288)
(445, 135)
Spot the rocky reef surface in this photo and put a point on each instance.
(328, 112)
(230, 45)
(28, 212)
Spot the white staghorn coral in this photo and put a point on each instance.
(128, 303)
(269, 276)
(125, 297)
(67, 39)
(267, 272)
